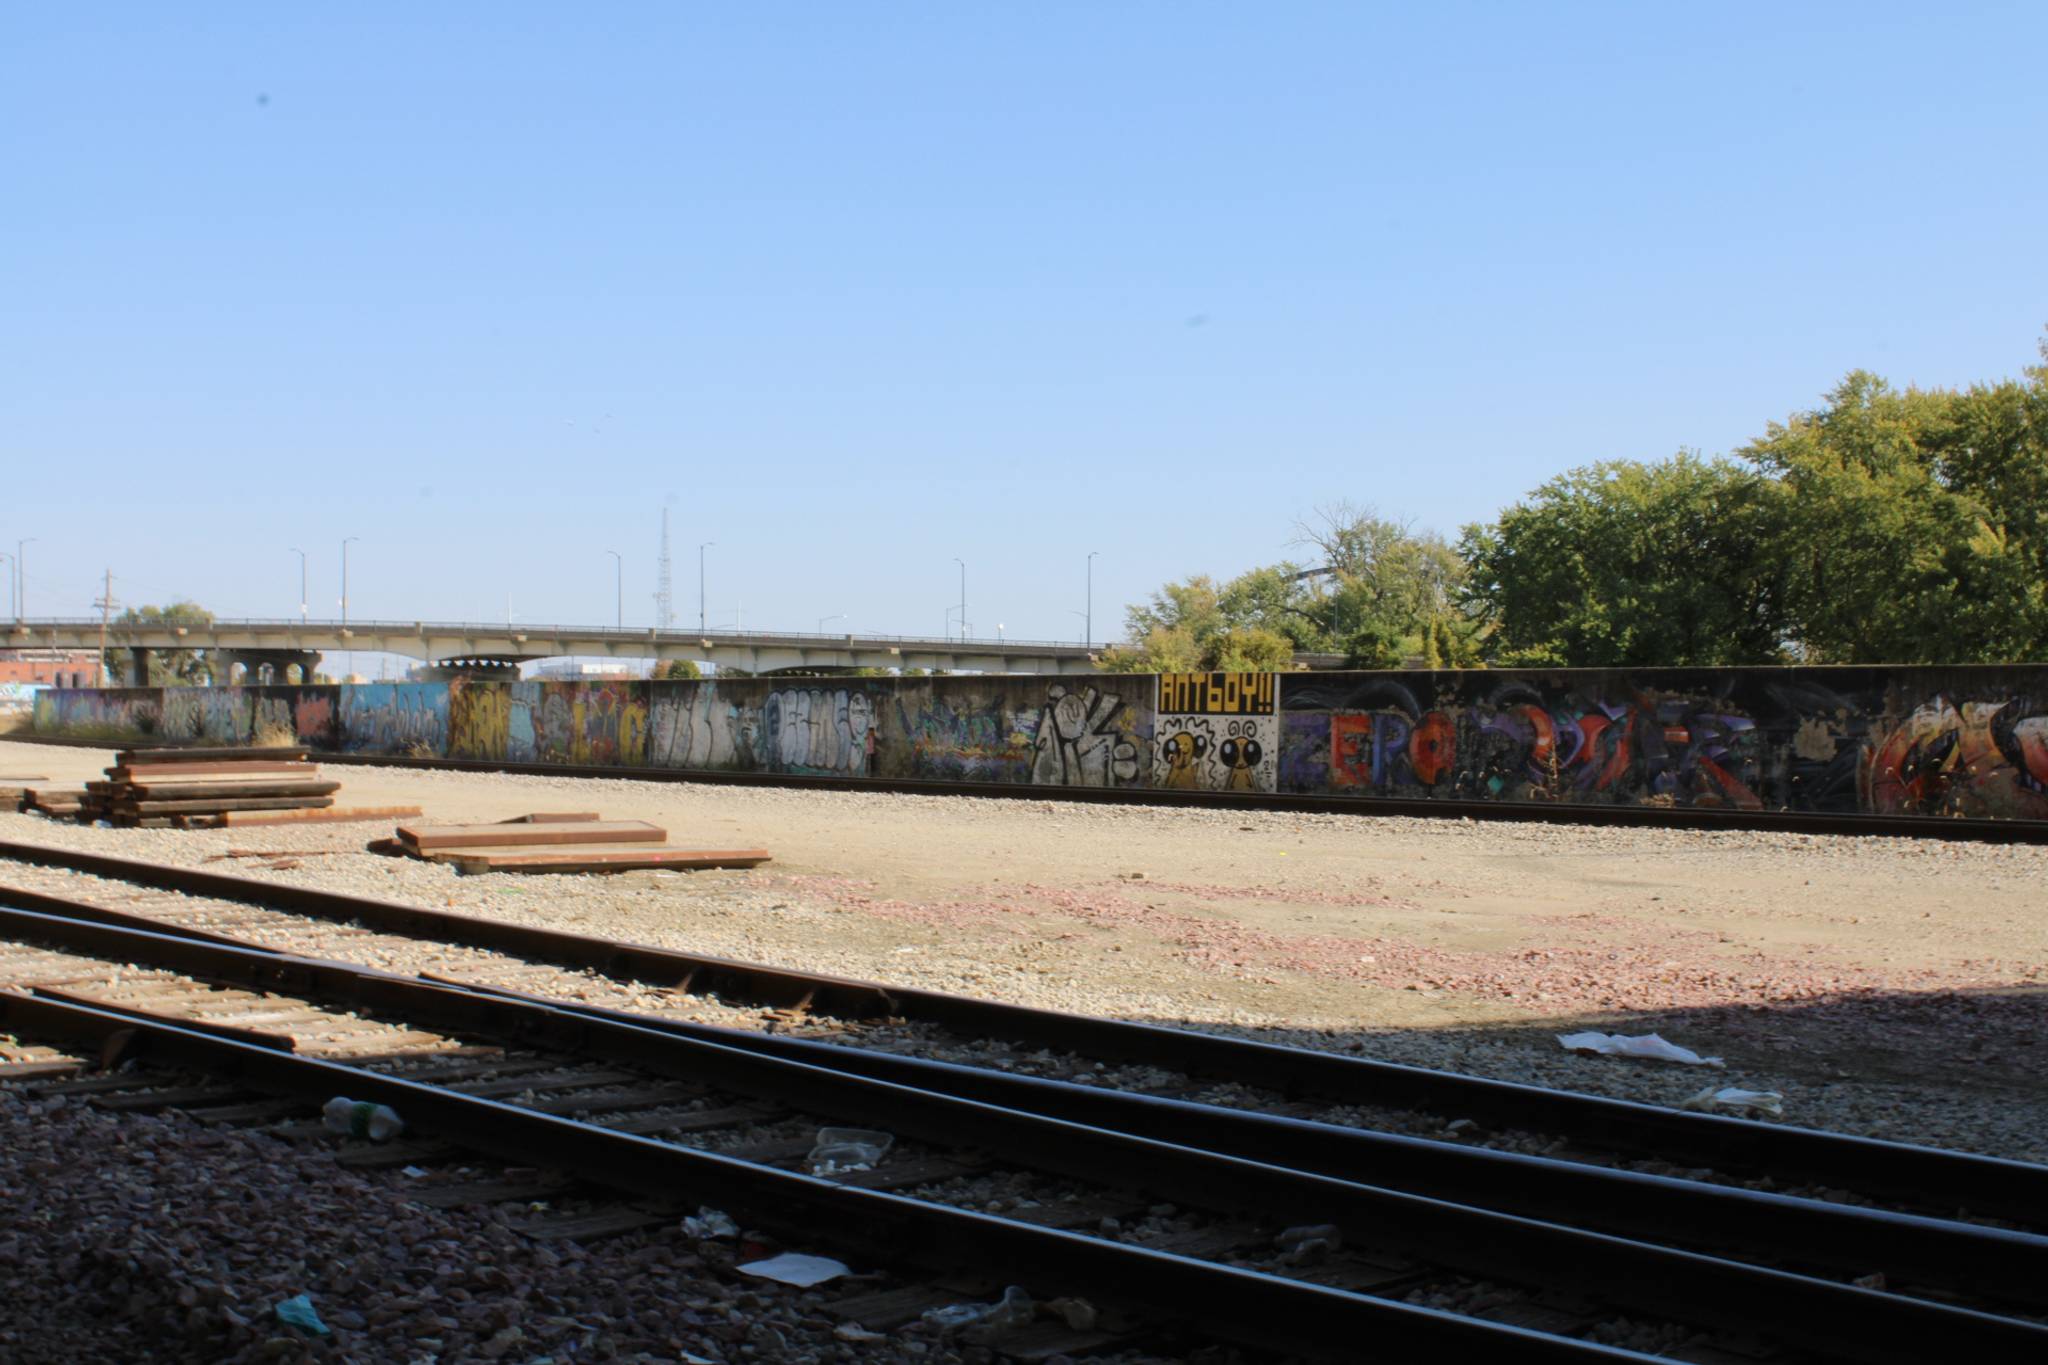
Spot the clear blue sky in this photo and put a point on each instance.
(857, 289)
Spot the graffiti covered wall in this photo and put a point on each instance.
(392, 718)
(762, 725)
(1079, 731)
(1886, 741)
(1217, 732)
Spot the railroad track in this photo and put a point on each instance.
(1564, 812)
(1564, 1248)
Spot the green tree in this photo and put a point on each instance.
(1373, 593)
(1631, 564)
(170, 667)
(680, 670)
(1917, 521)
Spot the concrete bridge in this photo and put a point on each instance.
(275, 650)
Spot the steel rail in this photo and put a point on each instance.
(1222, 1301)
(1909, 1248)
(1924, 1177)
(1833, 1320)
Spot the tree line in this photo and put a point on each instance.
(1886, 526)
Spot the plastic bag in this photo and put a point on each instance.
(1647, 1045)
(1014, 1309)
(1728, 1097)
(848, 1149)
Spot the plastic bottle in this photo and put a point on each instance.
(360, 1118)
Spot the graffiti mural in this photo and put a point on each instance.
(394, 718)
(1093, 732)
(755, 726)
(1967, 758)
(99, 713)
(316, 716)
(1217, 732)
(1081, 740)
(479, 719)
(1598, 740)
(1926, 742)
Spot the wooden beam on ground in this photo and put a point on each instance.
(143, 772)
(338, 815)
(171, 791)
(242, 753)
(429, 837)
(606, 860)
(219, 805)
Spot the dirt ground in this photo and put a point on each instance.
(1894, 986)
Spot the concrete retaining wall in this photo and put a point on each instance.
(1902, 741)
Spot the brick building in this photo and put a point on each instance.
(51, 667)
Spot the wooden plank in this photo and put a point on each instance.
(142, 772)
(216, 805)
(338, 815)
(562, 817)
(155, 791)
(241, 754)
(599, 860)
(449, 855)
(425, 837)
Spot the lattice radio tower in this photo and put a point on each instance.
(664, 596)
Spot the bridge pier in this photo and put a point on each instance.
(260, 667)
(130, 666)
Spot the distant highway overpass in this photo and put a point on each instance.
(277, 644)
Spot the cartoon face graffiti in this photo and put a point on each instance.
(1240, 754)
(1182, 753)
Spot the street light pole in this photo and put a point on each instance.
(21, 579)
(344, 578)
(836, 616)
(707, 545)
(1090, 615)
(302, 583)
(619, 587)
(963, 596)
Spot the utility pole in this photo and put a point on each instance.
(664, 596)
(1090, 641)
(105, 604)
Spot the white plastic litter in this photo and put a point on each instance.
(1014, 1309)
(793, 1267)
(848, 1149)
(710, 1222)
(360, 1118)
(1641, 1045)
(1728, 1097)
